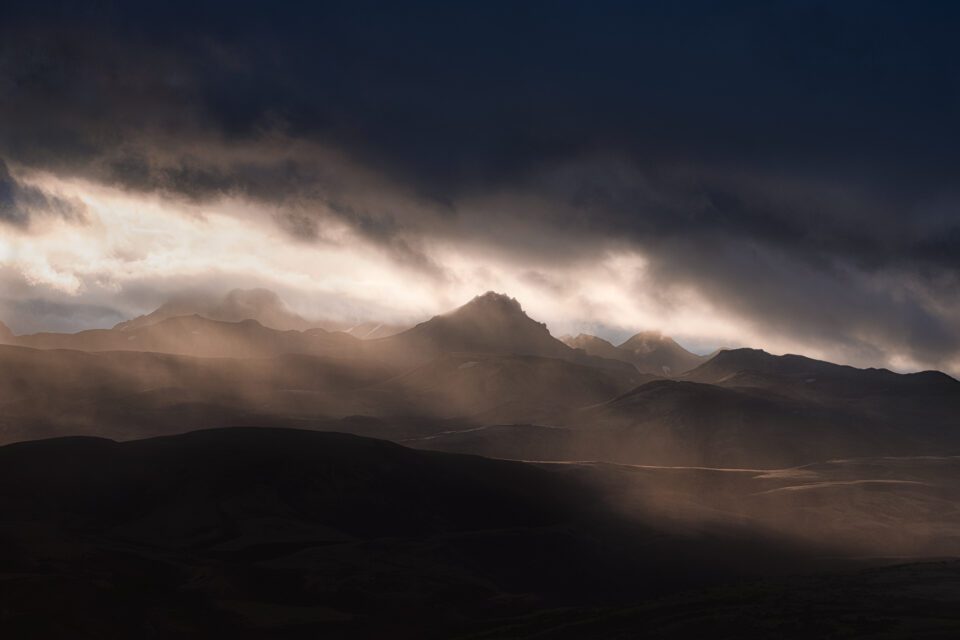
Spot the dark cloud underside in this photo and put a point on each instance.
(796, 161)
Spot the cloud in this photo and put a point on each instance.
(788, 166)
(20, 202)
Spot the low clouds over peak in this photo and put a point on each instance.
(787, 168)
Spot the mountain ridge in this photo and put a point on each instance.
(649, 351)
(489, 323)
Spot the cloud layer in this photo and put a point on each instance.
(786, 168)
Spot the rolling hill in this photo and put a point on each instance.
(284, 533)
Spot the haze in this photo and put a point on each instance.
(720, 183)
(435, 320)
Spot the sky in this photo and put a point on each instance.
(772, 174)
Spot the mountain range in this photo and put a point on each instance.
(649, 351)
(471, 476)
(262, 305)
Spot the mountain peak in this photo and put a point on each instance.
(593, 346)
(5, 333)
(491, 301)
(648, 351)
(495, 312)
(491, 322)
(646, 341)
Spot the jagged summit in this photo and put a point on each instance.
(491, 322)
(491, 302)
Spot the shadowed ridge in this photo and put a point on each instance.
(730, 364)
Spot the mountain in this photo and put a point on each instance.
(262, 305)
(798, 374)
(484, 378)
(924, 404)
(653, 352)
(6, 335)
(198, 336)
(491, 323)
(594, 346)
(285, 533)
(649, 351)
(743, 409)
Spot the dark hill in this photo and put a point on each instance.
(283, 533)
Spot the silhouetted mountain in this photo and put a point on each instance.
(649, 351)
(262, 305)
(491, 323)
(923, 404)
(283, 533)
(755, 367)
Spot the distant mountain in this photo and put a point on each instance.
(648, 351)
(491, 323)
(198, 336)
(746, 408)
(799, 376)
(594, 346)
(262, 305)
(6, 335)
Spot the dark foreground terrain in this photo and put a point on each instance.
(284, 533)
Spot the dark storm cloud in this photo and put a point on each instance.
(19, 202)
(819, 136)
